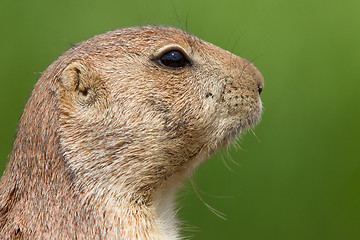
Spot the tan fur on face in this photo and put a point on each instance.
(109, 134)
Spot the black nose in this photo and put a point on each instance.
(259, 80)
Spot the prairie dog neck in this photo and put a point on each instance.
(113, 127)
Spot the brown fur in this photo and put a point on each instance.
(108, 134)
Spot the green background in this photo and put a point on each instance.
(300, 180)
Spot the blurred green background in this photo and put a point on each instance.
(301, 180)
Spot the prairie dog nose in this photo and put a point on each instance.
(259, 79)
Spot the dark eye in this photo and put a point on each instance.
(174, 59)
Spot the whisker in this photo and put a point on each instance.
(177, 16)
(213, 210)
(251, 130)
(232, 50)
(215, 196)
(236, 145)
(248, 63)
(237, 40)
(230, 157)
(226, 165)
(186, 21)
(233, 161)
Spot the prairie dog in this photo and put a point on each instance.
(113, 126)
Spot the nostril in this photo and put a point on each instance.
(258, 78)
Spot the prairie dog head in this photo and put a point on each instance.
(140, 108)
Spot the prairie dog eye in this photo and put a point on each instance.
(173, 59)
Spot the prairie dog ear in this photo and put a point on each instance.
(81, 85)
